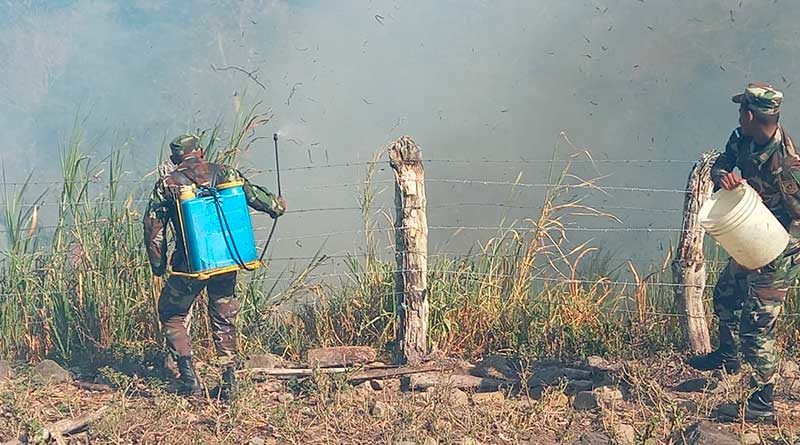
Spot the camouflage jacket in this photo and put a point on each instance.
(772, 170)
(161, 212)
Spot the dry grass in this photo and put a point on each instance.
(323, 410)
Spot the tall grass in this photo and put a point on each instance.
(82, 285)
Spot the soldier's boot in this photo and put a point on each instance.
(760, 408)
(227, 388)
(725, 358)
(188, 384)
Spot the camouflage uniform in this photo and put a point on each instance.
(180, 292)
(749, 302)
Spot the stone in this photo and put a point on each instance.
(377, 385)
(380, 409)
(626, 435)
(256, 441)
(593, 438)
(608, 396)
(690, 406)
(428, 440)
(700, 384)
(51, 372)
(341, 356)
(789, 369)
(585, 401)
(457, 397)
(705, 433)
(488, 398)
(469, 441)
(6, 372)
(268, 361)
(495, 367)
(575, 386)
(405, 442)
(599, 363)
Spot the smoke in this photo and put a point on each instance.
(468, 79)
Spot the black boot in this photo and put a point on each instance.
(188, 385)
(760, 408)
(227, 388)
(723, 358)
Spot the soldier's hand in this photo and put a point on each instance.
(730, 181)
(282, 202)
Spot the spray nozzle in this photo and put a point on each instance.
(275, 137)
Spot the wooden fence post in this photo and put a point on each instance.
(689, 267)
(411, 251)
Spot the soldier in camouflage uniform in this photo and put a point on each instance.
(190, 168)
(749, 302)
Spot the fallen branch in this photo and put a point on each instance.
(98, 387)
(57, 430)
(363, 374)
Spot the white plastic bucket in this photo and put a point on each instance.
(744, 226)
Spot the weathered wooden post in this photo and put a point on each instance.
(689, 268)
(411, 251)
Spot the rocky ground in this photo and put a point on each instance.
(500, 401)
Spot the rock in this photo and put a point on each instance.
(405, 442)
(585, 401)
(50, 371)
(495, 367)
(608, 396)
(268, 361)
(789, 369)
(428, 440)
(380, 409)
(690, 406)
(256, 441)
(341, 356)
(457, 398)
(705, 433)
(626, 435)
(469, 441)
(588, 400)
(377, 385)
(601, 364)
(488, 398)
(751, 438)
(5, 370)
(576, 386)
(554, 375)
(700, 384)
(593, 438)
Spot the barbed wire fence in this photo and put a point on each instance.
(485, 183)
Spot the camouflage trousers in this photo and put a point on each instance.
(748, 304)
(174, 311)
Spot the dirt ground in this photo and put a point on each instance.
(327, 410)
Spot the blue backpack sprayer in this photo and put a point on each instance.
(217, 230)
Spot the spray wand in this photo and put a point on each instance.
(278, 177)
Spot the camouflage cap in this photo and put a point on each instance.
(760, 97)
(184, 143)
